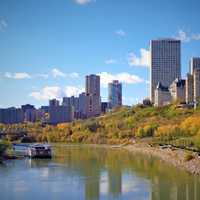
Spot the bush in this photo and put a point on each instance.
(3, 147)
(191, 125)
(169, 132)
(146, 131)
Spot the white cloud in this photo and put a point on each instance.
(187, 37)
(21, 75)
(122, 77)
(3, 24)
(120, 32)
(183, 36)
(57, 73)
(47, 93)
(51, 92)
(45, 76)
(74, 75)
(73, 91)
(142, 61)
(110, 61)
(83, 2)
(196, 36)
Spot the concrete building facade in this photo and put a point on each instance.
(11, 115)
(196, 84)
(61, 114)
(194, 64)
(162, 96)
(93, 99)
(178, 90)
(189, 89)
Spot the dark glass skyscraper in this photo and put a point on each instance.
(115, 94)
(165, 63)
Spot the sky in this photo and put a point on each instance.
(47, 47)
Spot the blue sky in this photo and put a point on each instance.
(47, 47)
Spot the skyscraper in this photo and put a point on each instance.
(165, 63)
(93, 84)
(194, 64)
(189, 88)
(115, 94)
(93, 99)
(196, 84)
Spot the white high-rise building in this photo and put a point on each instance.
(165, 63)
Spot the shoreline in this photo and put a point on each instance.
(175, 158)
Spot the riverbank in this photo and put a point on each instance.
(175, 157)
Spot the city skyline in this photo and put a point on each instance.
(47, 56)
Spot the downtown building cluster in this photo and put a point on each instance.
(88, 104)
(166, 83)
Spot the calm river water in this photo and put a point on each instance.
(95, 173)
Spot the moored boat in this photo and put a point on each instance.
(33, 150)
(39, 151)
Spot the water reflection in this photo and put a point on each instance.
(94, 173)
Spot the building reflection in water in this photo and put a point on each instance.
(116, 174)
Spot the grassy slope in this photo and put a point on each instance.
(120, 126)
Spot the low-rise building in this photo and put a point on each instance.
(104, 107)
(61, 114)
(11, 115)
(178, 91)
(162, 96)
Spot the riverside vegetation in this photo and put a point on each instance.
(170, 125)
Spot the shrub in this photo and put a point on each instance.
(146, 131)
(3, 147)
(191, 125)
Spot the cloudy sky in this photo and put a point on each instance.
(47, 47)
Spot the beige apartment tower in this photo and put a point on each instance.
(194, 64)
(196, 84)
(165, 63)
(93, 99)
(189, 89)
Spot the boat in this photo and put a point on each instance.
(33, 150)
(39, 151)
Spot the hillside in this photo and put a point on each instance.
(168, 124)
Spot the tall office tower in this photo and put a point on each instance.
(189, 89)
(194, 63)
(115, 94)
(165, 63)
(53, 102)
(93, 99)
(196, 84)
(93, 84)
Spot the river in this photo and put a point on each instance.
(78, 172)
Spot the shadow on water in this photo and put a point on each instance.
(104, 173)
